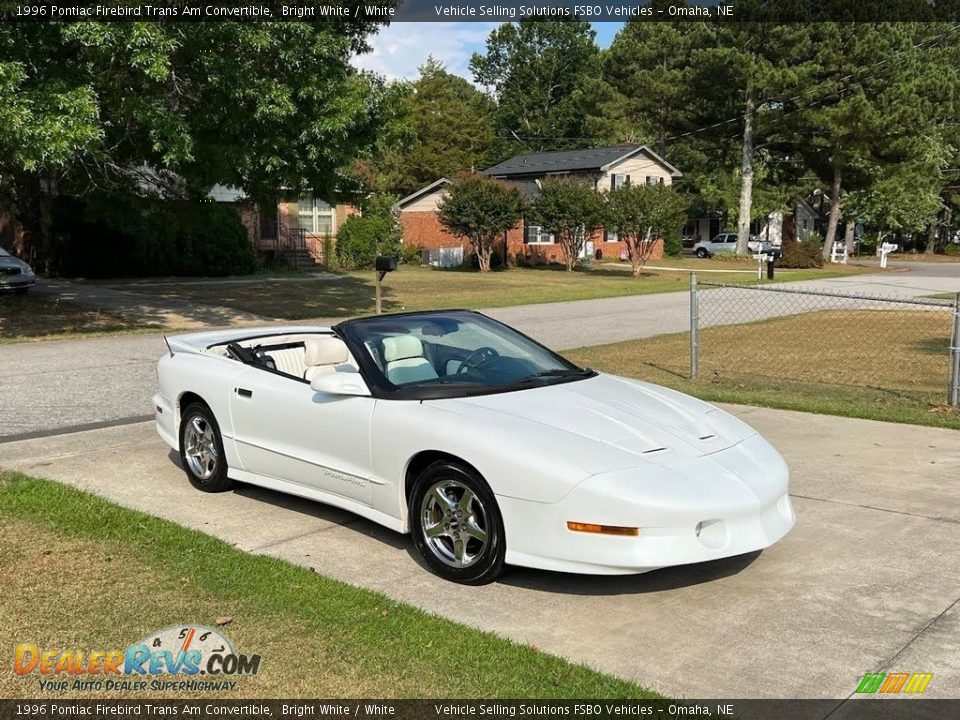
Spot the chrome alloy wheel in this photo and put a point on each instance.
(200, 447)
(454, 523)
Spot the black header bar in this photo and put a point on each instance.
(873, 708)
(481, 10)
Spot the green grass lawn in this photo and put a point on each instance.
(857, 363)
(421, 288)
(36, 317)
(81, 572)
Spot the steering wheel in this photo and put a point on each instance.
(477, 359)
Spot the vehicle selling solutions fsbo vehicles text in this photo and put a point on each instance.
(515, 11)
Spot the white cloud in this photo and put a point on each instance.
(398, 50)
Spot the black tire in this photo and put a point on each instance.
(480, 562)
(197, 418)
(702, 253)
(21, 290)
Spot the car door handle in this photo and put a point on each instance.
(244, 393)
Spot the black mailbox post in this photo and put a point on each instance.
(772, 257)
(383, 264)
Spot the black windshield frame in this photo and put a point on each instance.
(380, 387)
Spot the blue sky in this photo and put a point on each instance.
(398, 50)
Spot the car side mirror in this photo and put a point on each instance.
(340, 383)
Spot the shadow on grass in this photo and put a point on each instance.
(933, 346)
(40, 314)
(345, 296)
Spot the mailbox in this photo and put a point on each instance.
(385, 263)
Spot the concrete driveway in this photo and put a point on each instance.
(868, 580)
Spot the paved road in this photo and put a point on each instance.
(866, 581)
(76, 382)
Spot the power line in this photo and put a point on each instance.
(931, 41)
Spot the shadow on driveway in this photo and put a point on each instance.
(662, 580)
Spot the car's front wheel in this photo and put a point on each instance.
(201, 450)
(702, 253)
(456, 524)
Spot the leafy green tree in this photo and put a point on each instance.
(538, 72)
(760, 64)
(451, 127)
(258, 106)
(882, 131)
(650, 66)
(643, 214)
(481, 210)
(453, 122)
(570, 209)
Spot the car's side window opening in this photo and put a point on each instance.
(300, 357)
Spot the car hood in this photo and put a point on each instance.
(628, 420)
(10, 261)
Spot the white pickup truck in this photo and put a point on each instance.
(727, 242)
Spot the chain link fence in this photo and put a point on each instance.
(811, 341)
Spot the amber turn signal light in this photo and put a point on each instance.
(602, 529)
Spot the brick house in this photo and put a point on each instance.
(296, 232)
(603, 168)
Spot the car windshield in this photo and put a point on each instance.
(4, 253)
(454, 352)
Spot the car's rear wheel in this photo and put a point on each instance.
(201, 450)
(456, 524)
(702, 253)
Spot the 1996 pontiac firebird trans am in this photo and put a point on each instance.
(486, 446)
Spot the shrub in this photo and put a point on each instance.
(128, 236)
(329, 253)
(952, 249)
(673, 245)
(806, 254)
(868, 246)
(362, 237)
(411, 254)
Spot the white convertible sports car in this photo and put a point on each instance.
(486, 446)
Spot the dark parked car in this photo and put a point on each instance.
(15, 274)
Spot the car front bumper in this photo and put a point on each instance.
(14, 282)
(720, 505)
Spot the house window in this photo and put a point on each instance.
(315, 216)
(538, 236)
(610, 236)
(654, 180)
(617, 180)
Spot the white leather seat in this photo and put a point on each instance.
(404, 360)
(288, 360)
(322, 354)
